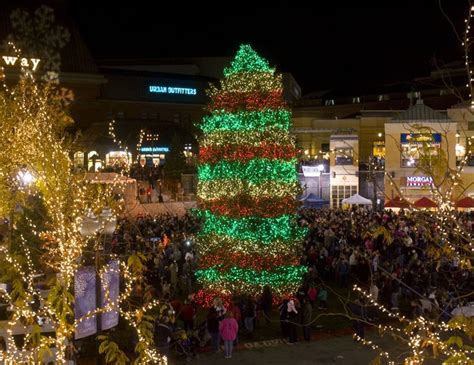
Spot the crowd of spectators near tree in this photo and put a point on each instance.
(386, 253)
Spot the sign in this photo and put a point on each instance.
(22, 62)
(161, 89)
(311, 171)
(418, 138)
(85, 301)
(109, 294)
(154, 149)
(419, 181)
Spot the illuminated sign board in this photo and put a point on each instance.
(22, 62)
(172, 90)
(154, 149)
(311, 171)
(419, 180)
(417, 138)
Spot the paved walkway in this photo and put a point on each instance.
(339, 350)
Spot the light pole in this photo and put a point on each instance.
(321, 169)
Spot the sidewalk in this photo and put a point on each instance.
(337, 350)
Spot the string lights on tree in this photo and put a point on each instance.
(35, 114)
(247, 186)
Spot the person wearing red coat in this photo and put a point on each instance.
(228, 329)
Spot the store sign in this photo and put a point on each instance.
(419, 180)
(22, 62)
(418, 138)
(154, 149)
(171, 90)
(311, 171)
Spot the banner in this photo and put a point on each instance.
(311, 171)
(110, 293)
(85, 301)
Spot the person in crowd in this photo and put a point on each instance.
(266, 303)
(292, 321)
(163, 335)
(219, 307)
(306, 318)
(213, 328)
(187, 315)
(228, 329)
(323, 297)
(249, 313)
(358, 311)
(283, 309)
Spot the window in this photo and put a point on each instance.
(413, 145)
(339, 192)
(443, 92)
(120, 115)
(329, 102)
(176, 118)
(383, 97)
(144, 115)
(378, 149)
(356, 100)
(344, 155)
(79, 159)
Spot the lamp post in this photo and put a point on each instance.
(321, 169)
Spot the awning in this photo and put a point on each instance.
(397, 202)
(466, 202)
(425, 203)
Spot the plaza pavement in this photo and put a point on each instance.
(340, 350)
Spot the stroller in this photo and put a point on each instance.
(184, 344)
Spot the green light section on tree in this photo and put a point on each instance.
(247, 60)
(212, 242)
(254, 171)
(280, 276)
(244, 121)
(266, 230)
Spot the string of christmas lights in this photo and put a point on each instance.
(247, 186)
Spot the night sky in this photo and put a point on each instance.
(324, 47)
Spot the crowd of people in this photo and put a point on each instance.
(385, 253)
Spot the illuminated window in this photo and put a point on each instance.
(383, 97)
(118, 159)
(356, 100)
(329, 102)
(378, 149)
(414, 145)
(79, 159)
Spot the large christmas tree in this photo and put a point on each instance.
(247, 186)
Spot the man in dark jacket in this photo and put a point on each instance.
(213, 328)
(163, 334)
(306, 317)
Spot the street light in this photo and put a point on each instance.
(321, 169)
(25, 178)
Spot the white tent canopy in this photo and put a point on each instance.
(357, 199)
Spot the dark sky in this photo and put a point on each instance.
(323, 46)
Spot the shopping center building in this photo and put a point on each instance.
(371, 143)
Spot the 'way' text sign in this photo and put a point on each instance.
(21, 61)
